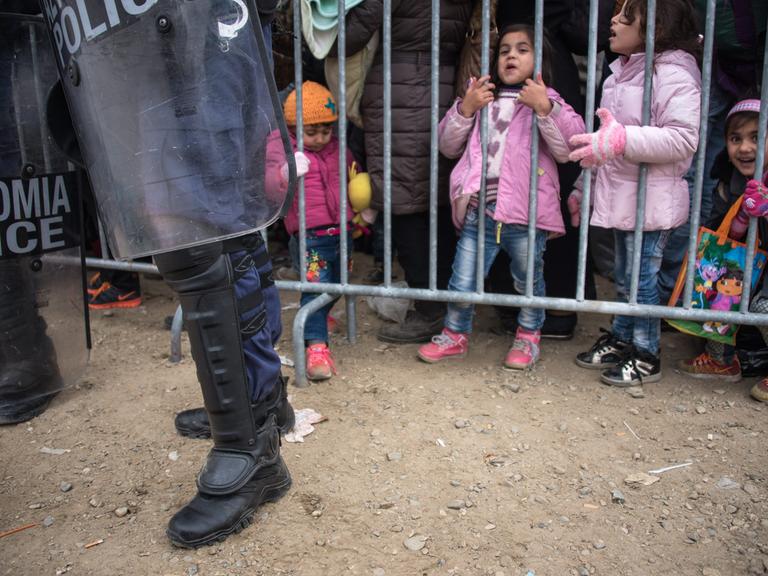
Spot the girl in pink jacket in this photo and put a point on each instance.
(628, 355)
(319, 165)
(514, 96)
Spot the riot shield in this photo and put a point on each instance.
(42, 336)
(173, 103)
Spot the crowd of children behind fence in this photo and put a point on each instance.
(628, 354)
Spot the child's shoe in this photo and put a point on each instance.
(707, 368)
(447, 344)
(525, 350)
(320, 365)
(635, 369)
(760, 390)
(606, 352)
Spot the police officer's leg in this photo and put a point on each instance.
(238, 370)
(29, 374)
(194, 423)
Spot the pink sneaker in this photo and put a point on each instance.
(447, 344)
(320, 364)
(525, 350)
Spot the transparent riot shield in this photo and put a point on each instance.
(42, 324)
(174, 105)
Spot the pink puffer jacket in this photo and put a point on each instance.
(667, 145)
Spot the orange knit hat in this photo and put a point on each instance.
(317, 103)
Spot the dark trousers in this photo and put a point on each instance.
(410, 237)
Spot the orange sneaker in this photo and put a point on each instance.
(94, 283)
(705, 367)
(108, 296)
(320, 365)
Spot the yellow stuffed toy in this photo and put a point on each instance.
(359, 191)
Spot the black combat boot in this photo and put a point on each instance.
(244, 469)
(29, 374)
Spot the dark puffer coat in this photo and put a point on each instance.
(411, 87)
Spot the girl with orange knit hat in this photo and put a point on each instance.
(319, 165)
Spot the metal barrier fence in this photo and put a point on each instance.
(579, 303)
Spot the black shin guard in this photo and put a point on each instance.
(194, 423)
(244, 468)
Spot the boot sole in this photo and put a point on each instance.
(394, 340)
(436, 360)
(271, 494)
(8, 419)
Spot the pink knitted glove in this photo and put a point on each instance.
(599, 147)
(755, 199)
(302, 166)
(574, 207)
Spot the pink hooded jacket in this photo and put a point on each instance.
(321, 183)
(667, 145)
(512, 200)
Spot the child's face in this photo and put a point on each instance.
(515, 58)
(626, 38)
(742, 147)
(317, 136)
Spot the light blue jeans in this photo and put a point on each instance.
(642, 331)
(513, 239)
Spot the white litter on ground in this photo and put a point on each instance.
(305, 418)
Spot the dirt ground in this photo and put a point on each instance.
(479, 470)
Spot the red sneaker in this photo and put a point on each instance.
(320, 365)
(525, 350)
(447, 344)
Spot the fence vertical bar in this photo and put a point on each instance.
(586, 192)
(342, 112)
(387, 168)
(701, 152)
(299, 140)
(759, 161)
(480, 264)
(434, 118)
(642, 182)
(534, 177)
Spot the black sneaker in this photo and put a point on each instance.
(556, 327)
(606, 352)
(635, 369)
(559, 326)
(416, 328)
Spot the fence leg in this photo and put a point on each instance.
(176, 325)
(299, 360)
(351, 319)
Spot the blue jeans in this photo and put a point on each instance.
(643, 332)
(513, 239)
(677, 246)
(323, 265)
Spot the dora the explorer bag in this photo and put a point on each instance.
(718, 281)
